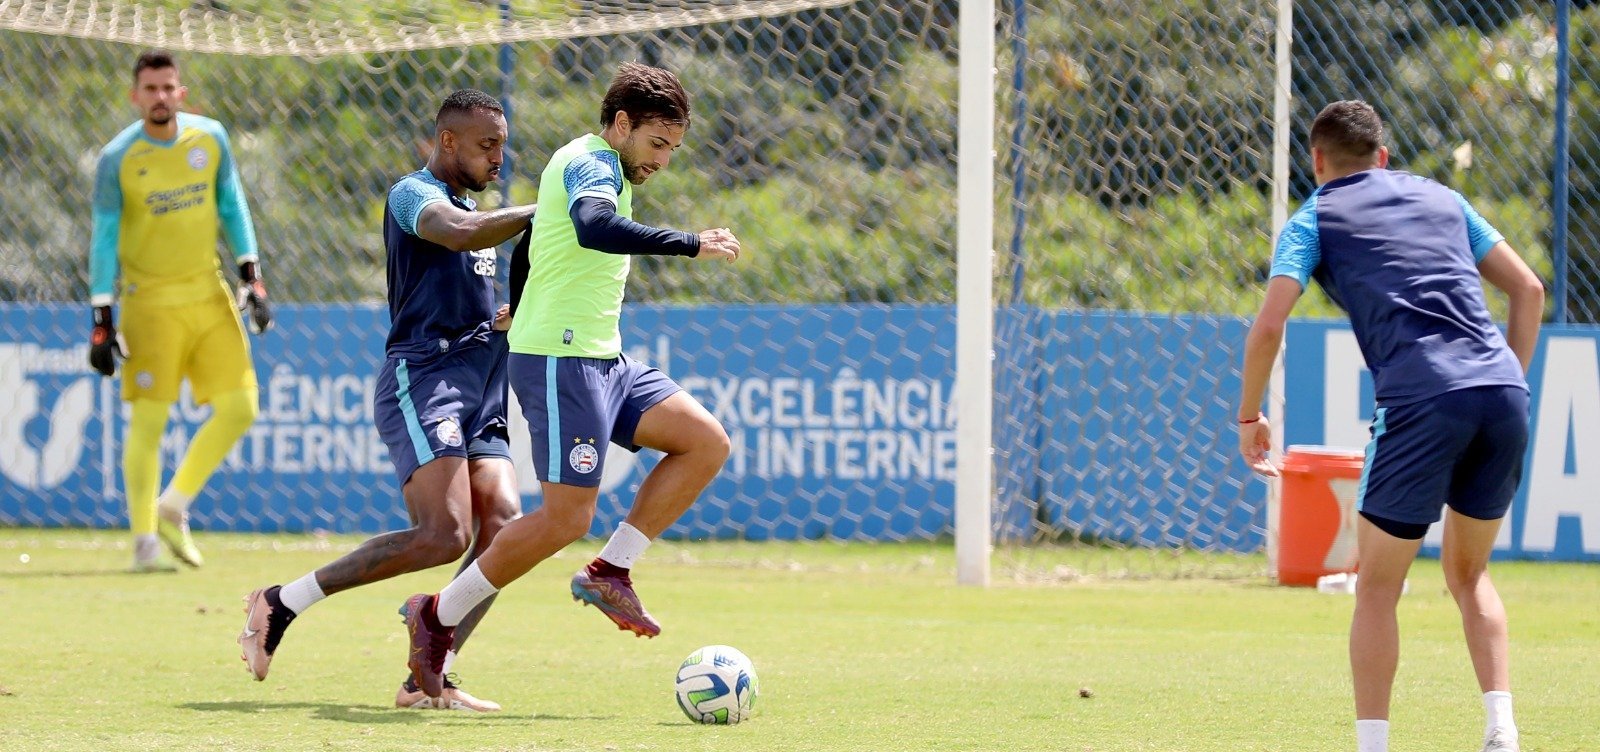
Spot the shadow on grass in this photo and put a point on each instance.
(373, 714)
(36, 574)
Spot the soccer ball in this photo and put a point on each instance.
(716, 684)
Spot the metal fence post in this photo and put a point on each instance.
(508, 59)
(1561, 161)
(1019, 164)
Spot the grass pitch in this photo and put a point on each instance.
(858, 648)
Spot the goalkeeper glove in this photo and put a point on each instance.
(253, 298)
(105, 344)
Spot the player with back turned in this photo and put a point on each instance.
(1406, 258)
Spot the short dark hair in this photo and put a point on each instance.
(1349, 132)
(465, 101)
(646, 93)
(153, 60)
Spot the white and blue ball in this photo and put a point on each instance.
(717, 684)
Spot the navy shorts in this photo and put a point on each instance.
(576, 406)
(450, 405)
(1463, 448)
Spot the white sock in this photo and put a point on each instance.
(1372, 736)
(173, 499)
(463, 594)
(1498, 705)
(449, 660)
(146, 547)
(625, 547)
(299, 595)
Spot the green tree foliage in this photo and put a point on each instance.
(1583, 243)
(827, 140)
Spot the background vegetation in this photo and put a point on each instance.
(826, 139)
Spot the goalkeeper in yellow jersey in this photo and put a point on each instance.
(164, 189)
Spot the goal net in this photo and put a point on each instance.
(1133, 170)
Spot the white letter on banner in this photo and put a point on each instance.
(913, 415)
(348, 402)
(1569, 396)
(846, 395)
(808, 405)
(20, 403)
(1342, 366)
(753, 409)
(784, 401)
(725, 399)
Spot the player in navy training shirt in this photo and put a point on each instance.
(440, 398)
(1406, 258)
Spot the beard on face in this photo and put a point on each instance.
(160, 116)
(633, 171)
(474, 182)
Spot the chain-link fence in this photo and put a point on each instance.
(1160, 122)
(1583, 166)
(1468, 89)
(1137, 153)
(1135, 160)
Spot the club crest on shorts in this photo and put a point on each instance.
(584, 458)
(197, 158)
(449, 432)
(144, 379)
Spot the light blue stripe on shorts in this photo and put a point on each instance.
(1378, 428)
(419, 440)
(553, 411)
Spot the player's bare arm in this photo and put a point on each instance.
(461, 230)
(1504, 269)
(455, 475)
(1260, 350)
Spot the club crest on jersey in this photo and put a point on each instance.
(144, 380)
(449, 432)
(197, 158)
(584, 458)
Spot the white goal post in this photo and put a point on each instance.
(975, 294)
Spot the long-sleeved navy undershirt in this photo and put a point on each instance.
(601, 228)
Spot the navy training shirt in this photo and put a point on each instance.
(1400, 254)
(438, 298)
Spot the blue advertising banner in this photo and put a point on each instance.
(1117, 427)
(1556, 514)
(842, 422)
(1108, 426)
(840, 417)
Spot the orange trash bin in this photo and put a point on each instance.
(1317, 513)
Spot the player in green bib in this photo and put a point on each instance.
(579, 301)
(578, 391)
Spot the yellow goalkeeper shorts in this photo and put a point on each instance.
(201, 340)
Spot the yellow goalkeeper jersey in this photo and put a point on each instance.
(159, 207)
